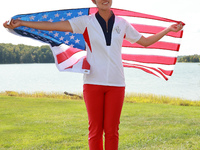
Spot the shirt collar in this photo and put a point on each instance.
(107, 30)
(100, 19)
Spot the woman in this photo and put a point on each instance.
(104, 87)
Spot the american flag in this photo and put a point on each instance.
(69, 52)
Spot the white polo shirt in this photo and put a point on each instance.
(103, 47)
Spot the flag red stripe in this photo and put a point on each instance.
(150, 59)
(70, 67)
(146, 69)
(121, 12)
(167, 72)
(66, 54)
(155, 29)
(157, 45)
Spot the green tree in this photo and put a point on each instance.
(20, 53)
(191, 58)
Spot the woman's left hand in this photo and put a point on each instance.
(176, 27)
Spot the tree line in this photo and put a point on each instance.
(191, 58)
(10, 54)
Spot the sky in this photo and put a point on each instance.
(186, 11)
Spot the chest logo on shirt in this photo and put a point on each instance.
(118, 30)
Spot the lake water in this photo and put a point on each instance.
(184, 83)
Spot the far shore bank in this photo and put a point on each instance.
(129, 97)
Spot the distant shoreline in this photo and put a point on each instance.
(189, 58)
(22, 54)
(129, 97)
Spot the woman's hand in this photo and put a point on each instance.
(13, 24)
(175, 27)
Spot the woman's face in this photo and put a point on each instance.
(103, 4)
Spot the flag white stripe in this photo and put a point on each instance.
(146, 51)
(72, 60)
(59, 49)
(161, 66)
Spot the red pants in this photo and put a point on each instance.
(104, 105)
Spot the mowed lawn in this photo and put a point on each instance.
(59, 124)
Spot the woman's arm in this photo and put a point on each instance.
(156, 37)
(50, 26)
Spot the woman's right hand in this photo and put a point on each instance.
(13, 24)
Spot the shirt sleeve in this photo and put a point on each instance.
(131, 34)
(79, 24)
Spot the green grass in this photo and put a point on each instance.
(59, 123)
